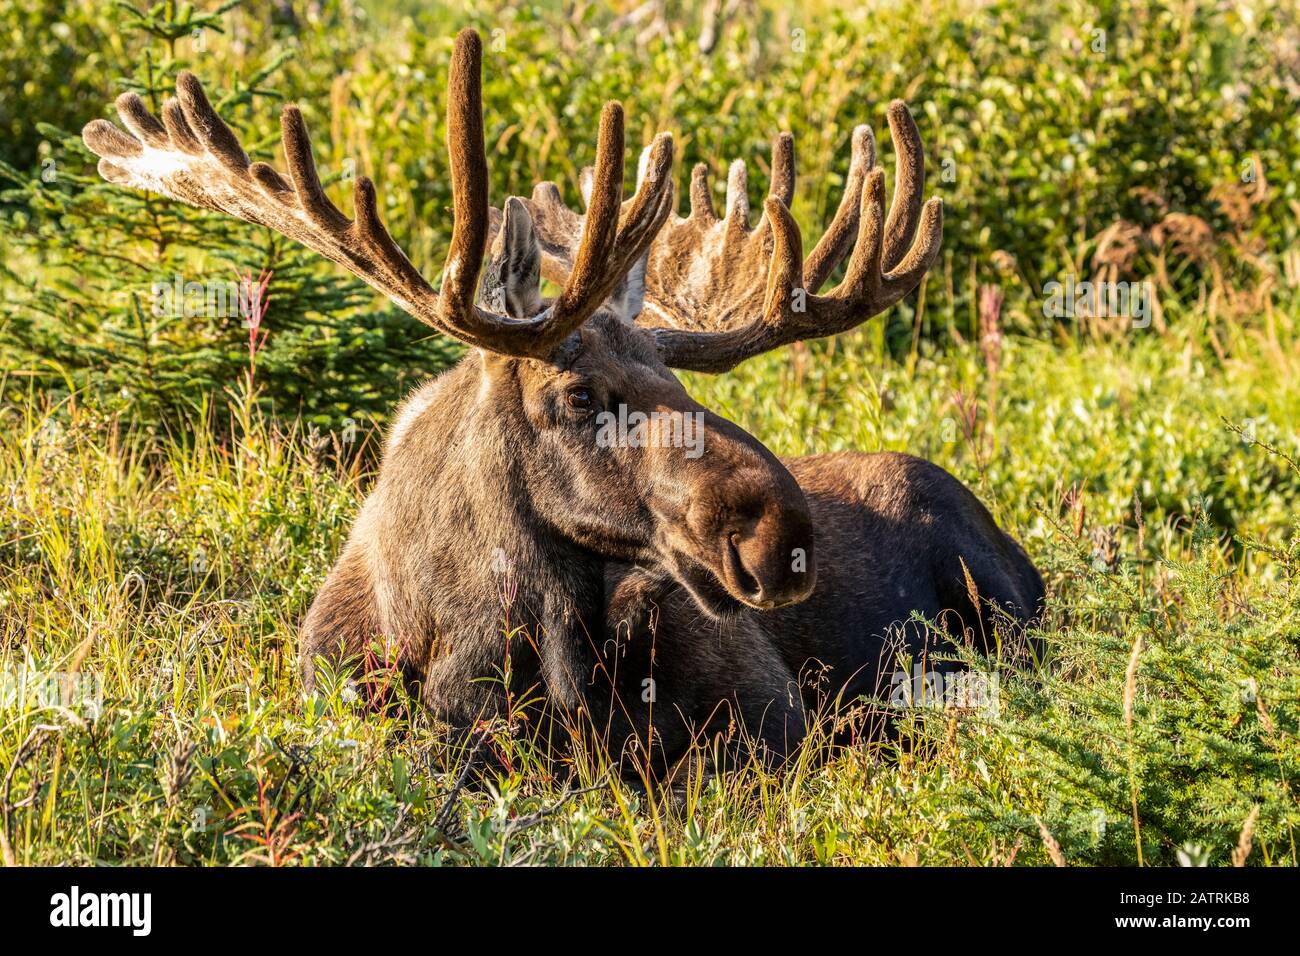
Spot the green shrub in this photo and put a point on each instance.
(1046, 126)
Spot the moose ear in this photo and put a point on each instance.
(626, 300)
(512, 277)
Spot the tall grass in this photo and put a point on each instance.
(168, 571)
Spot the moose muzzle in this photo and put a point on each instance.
(769, 562)
(741, 524)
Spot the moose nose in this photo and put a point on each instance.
(770, 564)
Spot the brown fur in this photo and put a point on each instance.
(618, 558)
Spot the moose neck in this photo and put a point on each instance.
(467, 558)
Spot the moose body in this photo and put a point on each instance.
(772, 670)
(454, 547)
(509, 551)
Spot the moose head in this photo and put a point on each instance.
(535, 413)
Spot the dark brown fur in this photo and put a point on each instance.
(493, 510)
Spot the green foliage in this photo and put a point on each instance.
(1211, 739)
(134, 301)
(49, 60)
(171, 571)
(1048, 127)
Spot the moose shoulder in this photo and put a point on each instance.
(560, 498)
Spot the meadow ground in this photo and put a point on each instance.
(163, 575)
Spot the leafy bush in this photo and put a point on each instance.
(1135, 139)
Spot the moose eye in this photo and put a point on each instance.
(579, 398)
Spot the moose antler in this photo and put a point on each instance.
(192, 156)
(718, 293)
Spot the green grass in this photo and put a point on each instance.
(169, 570)
(160, 538)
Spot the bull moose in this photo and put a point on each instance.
(718, 577)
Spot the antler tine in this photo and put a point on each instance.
(889, 257)
(701, 200)
(649, 208)
(581, 294)
(211, 130)
(918, 260)
(786, 273)
(141, 123)
(909, 185)
(836, 241)
(782, 185)
(469, 190)
(737, 203)
(604, 253)
(178, 128)
(302, 171)
(863, 274)
(654, 164)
